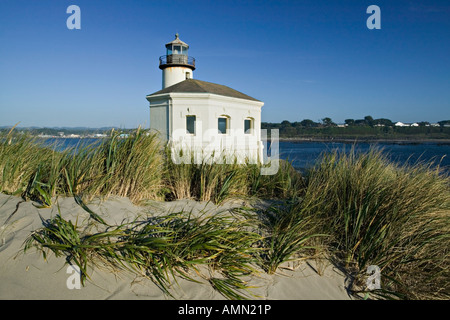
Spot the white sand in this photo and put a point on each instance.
(29, 276)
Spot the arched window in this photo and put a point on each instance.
(223, 124)
(249, 126)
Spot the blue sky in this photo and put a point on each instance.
(305, 59)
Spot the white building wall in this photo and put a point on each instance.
(208, 108)
(159, 118)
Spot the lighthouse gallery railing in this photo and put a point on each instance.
(177, 59)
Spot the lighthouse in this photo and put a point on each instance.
(206, 118)
(176, 65)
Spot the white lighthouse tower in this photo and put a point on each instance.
(204, 117)
(176, 65)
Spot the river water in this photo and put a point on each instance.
(304, 154)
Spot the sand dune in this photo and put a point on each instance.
(29, 276)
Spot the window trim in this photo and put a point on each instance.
(195, 122)
(252, 126)
(227, 125)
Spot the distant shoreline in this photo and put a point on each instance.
(369, 140)
(339, 140)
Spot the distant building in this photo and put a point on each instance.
(401, 124)
(201, 116)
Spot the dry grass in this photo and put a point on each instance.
(129, 167)
(379, 213)
(372, 211)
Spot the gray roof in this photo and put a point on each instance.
(198, 86)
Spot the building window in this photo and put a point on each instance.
(223, 125)
(188, 75)
(248, 126)
(190, 124)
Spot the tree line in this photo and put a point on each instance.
(367, 127)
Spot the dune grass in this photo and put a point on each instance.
(159, 248)
(20, 156)
(129, 167)
(205, 181)
(137, 166)
(378, 213)
(359, 208)
(223, 180)
(289, 233)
